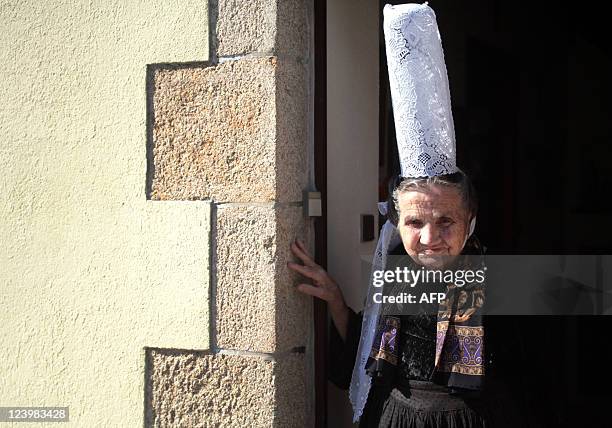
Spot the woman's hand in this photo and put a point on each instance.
(323, 287)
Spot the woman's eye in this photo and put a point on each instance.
(446, 222)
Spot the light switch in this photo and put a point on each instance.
(312, 204)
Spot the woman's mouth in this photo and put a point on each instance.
(434, 251)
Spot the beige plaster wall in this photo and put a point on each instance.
(91, 272)
(352, 153)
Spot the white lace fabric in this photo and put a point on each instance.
(419, 91)
(360, 380)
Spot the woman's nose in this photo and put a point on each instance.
(429, 235)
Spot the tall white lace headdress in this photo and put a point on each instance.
(419, 91)
(425, 138)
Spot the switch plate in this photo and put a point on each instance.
(312, 204)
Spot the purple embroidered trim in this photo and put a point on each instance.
(386, 337)
(460, 349)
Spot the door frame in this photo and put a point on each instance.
(320, 223)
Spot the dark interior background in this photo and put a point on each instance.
(531, 93)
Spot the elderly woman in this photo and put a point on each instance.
(433, 217)
(425, 366)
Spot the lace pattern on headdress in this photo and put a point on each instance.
(419, 91)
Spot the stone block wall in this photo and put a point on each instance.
(234, 131)
(219, 390)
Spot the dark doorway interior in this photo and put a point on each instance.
(531, 93)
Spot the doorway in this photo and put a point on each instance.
(531, 105)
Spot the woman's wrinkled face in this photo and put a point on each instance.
(433, 224)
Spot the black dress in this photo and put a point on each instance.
(410, 399)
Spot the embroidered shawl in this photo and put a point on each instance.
(459, 360)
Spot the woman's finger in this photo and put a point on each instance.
(302, 255)
(311, 290)
(300, 251)
(316, 274)
(302, 246)
(307, 271)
